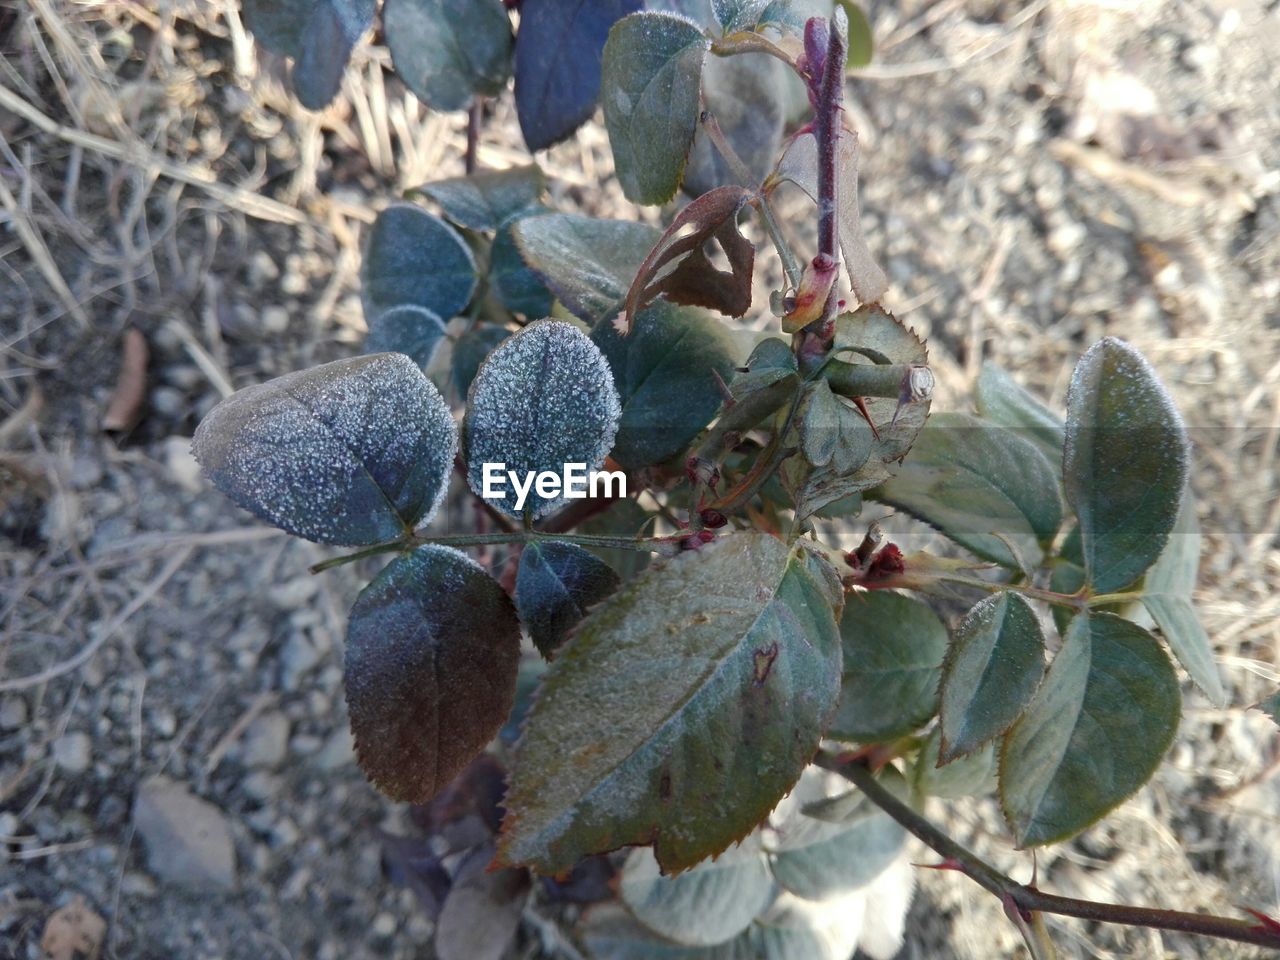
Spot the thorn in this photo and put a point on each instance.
(1267, 923)
(861, 404)
(951, 863)
(729, 401)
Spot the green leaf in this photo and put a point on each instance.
(1001, 400)
(962, 777)
(832, 431)
(983, 486)
(481, 913)
(666, 373)
(447, 51)
(681, 710)
(771, 360)
(517, 287)
(738, 14)
(704, 906)
(352, 452)
(409, 329)
(861, 41)
(1125, 463)
(994, 664)
(433, 648)
(470, 350)
(1166, 593)
(488, 199)
(587, 263)
(893, 652)
(649, 86)
(542, 399)
(1094, 733)
(747, 94)
(625, 518)
(1271, 707)
(555, 585)
(318, 35)
(415, 258)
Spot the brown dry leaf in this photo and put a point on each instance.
(125, 408)
(72, 932)
(678, 265)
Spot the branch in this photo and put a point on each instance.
(827, 133)
(1027, 899)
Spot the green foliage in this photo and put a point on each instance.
(470, 350)
(963, 777)
(448, 51)
(710, 677)
(1000, 400)
(409, 329)
(517, 287)
(318, 35)
(651, 77)
(433, 647)
(555, 586)
(1271, 707)
(351, 452)
(489, 199)
(414, 258)
(1095, 731)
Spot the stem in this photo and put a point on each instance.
(1109, 599)
(475, 120)
(736, 166)
(790, 265)
(827, 132)
(358, 555)
(1027, 899)
(868, 379)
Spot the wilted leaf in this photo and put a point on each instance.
(447, 51)
(542, 399)
(800, 165)
(962, 777)
(983, 486)
(73, 930)
(679, 268)
(487, 199)
(318, 35)
(704, 906)
(517, 287)
(1125, 463)
(482, 913)
(558, 53)
(469, 351)
(747, 95)
(352, 452)
(555, 586)
(651, 76)
(130, 392)
(1166, 593)
(681, 710)
(587, 263)
(666, 373)
(412, 330)
(1095, 731)
(993, 666)
(415, 258)
(433, 646)
(893, 651)
(1001, 400)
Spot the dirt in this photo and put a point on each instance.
(1034, 176)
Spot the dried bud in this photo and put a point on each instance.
(713, 518)
(886, 563)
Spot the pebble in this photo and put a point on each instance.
(298, 658)
(169, 402)
(261, 785)
(262, 268)
(338, 751)
(275, 319)
(8, 825)
(181, 463)
(266, 742)
(13, 713)
(384, 925)
(293, 593)
(72, 752)
(305, 744)
(164, 722)
(187, 839)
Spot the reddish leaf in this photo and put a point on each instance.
(679, 266)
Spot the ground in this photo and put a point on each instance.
(1035, 175)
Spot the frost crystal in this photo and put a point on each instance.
(351, 452)
(543, 398)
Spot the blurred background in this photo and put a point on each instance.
(176, 776)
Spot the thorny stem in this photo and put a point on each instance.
(1027, 899)
(827, 132)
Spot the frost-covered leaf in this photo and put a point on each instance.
(747, 94)
(587, 263)
(800, 165)
(1001, 400)
(666, 373)
(983, 486)
(1167, 592)
(558, 53)
(893, 651)
(709, 904)
(679, 267)
(832, 431)
(542, 399)
(738, 14)
(681, 710)
(1094, 733)
(409, 329)
(993, 666)
(487, 199)
(962, 777)
(555, 586)
(433, 647)
(517, 287)
(481, 914)
(1125, 463)
(318, 35)
(650, 80)
(469, 351)
(352, 452)
(415, 258)
(448, 51)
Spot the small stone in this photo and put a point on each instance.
(384, 925)
(13, 713)
(298, 658)
(266, 742)
(338, 751)
(72, 752)
(262, 268)
(181, 464)
(8, 825)
(169, 402)
(305, 744)
(275, 319)
(188, 840)
(261, 786)
(86, 472)
(164, 722)
(293, 593)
